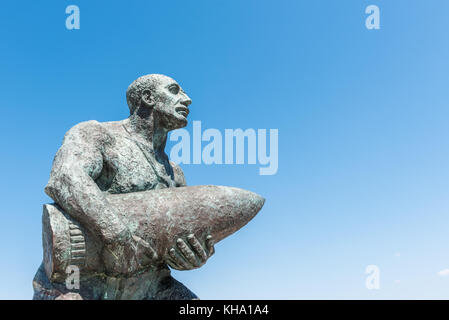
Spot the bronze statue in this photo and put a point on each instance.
(122, 211)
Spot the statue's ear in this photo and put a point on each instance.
(147, 98)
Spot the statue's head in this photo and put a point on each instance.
(161, 95)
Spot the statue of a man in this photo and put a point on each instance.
(121, 157)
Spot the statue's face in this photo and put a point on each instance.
(170, 103)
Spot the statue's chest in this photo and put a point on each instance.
(130, 166)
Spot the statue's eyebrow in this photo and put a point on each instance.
(176, 86)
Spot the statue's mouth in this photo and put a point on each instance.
(184, 111)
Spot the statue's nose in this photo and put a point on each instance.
(186, 102)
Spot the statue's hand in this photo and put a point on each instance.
(190, 254)
(142, 250)
(128, 254)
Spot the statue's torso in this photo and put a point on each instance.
(131, 166)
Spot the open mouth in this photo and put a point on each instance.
(184, 111)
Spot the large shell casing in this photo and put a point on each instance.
(158, 216)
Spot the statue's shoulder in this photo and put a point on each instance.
(88, 132)
(86, 127)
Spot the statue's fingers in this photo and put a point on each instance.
(149, 251)
(175, 257)
(210, 245)
(196, 245)
(187, 252)
(173, 264)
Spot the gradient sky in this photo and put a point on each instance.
(362, 117)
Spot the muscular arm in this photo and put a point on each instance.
(72, 185)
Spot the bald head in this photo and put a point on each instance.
(148, 82)
(161, 97)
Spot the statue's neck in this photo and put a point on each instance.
(146, 127)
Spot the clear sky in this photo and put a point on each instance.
(362, 115)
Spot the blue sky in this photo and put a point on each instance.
(362, 117)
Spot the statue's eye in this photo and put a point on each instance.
(174, 89)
